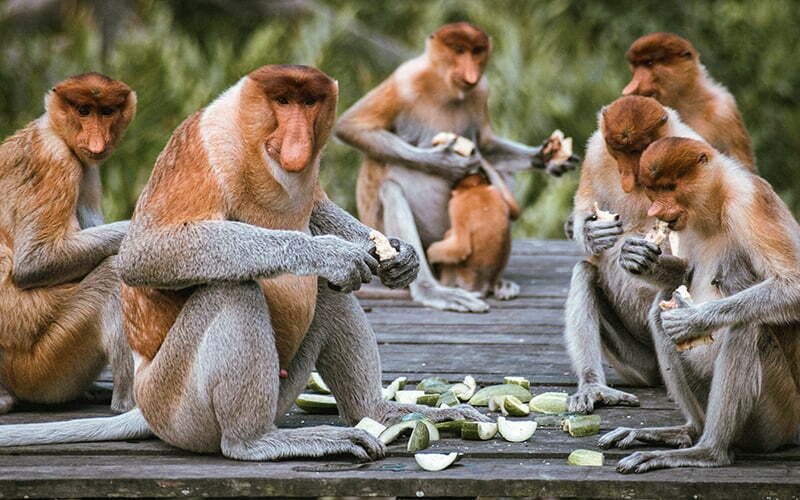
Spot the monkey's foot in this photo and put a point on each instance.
(392, 412)
(505, 290)
(643, 461)
(625, 437)
(589, 395)
(6, 402)
(306, 442)
(122, 400)
(97, 393)
(446, 298)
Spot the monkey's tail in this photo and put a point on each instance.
(130, 425)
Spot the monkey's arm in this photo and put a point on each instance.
(329, 218)
(218, 251)
(42, 259)
(367, 126)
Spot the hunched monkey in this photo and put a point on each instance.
(667, 68)
(404, 183)
(59, 292)
(225, 284)
(743, 252)
(611, 291)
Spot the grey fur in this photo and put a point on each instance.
(130, 425)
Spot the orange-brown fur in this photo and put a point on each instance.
(50, 336)
(667, 67)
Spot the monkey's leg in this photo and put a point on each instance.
(119, 353)
(68, 355)
(214, 384)
(583, 334)
(505, 289)
(7, 399)
(350, 364)
(739, 383)
(454, 248)
(398, 220)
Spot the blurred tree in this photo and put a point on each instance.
(555, 63)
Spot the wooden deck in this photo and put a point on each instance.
(520, 337)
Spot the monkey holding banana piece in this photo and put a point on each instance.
(405, 182)
(60, 318)
(250, 274)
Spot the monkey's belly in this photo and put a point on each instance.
(428, 197)
(291, 300)
(629, 297)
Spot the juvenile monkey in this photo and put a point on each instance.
(404, 184)
(611, 291)
(59, 292)
(743, 250)
(230, 267)
(475, 250)
(667, 68)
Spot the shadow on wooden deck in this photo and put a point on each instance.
(520, 337)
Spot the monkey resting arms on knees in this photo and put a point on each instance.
(743, 249)
(59, 292)
(611, 291)
(225, 286)
(404, 184)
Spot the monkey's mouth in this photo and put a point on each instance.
(95, 156)
(677, 223)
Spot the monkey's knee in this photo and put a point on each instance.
(447, 251)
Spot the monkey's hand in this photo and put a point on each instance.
(685, 322)
(401, 270)
(541, 160)
(638, 256)
(569, 225)
(600, 235)
(344, 264)
(445, 162)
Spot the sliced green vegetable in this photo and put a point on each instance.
(585, 457)
(434, 462)
(520, 381)
(420, 438)
(316, 403)
(481, 398)
(514, 407)
(448, 398)
(450, 426)
(397, 384)
(408, 397)
(582, 425)
(478, 430)
(372, 426)
(428, 399)
(516, 431)
(549, 402)
(316, 384)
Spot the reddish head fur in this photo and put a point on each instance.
(462, 51)
(630, 124)
(659, 47)
(90, 112)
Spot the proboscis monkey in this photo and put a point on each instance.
(404, 183)
(230, 264)
(743, 249)
(667, 68)
(611, 291)
(59, 292)
(475, 250)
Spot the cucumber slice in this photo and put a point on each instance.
(420, 438)
(448, 398)
(478, 430)
(514, 407)
(414, 416)
(585, 457)
(391, 389)
(481, 398)
(549, 402)
(471, 387)
(316, 384)
(582, 425)
(516, 431)
(428, 399)
(408, 397)
(393, 431)
(496, 403)
(372, 426)
(434, 462)
(316, 403)
(450, 426)
(434, 385)
(520, 381)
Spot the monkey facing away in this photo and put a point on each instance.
(611, 291)
(228, 284)
(404, 184)
(475, 250)
(59, 292)
(743, 255)
(668, 68)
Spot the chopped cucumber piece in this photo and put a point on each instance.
(496, 403)
(393, 431)
(420, 438)
(549, 402)
(448, 398)
(481, 398)
(372, 426)
(582, 425)
(414, 416)
(514, 407)
(433, 385)
(585, 457)
(434, 462)
(520, 381)
(316, 403)
(408, 397)
(478, 430)
(450, 426)
(516, 431)
(397, 384)
(316, 384)
(428, 399)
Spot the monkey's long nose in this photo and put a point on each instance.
(96, 144)
(655, 209)
(631, 88)
(471, 74)
(297, 145)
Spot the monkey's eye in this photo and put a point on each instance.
(106, 111)
(649, 63)
(84, 110)
(478, 50)
(282, 100)
(310, 101)
(459, 49)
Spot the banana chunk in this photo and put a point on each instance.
(383, 248)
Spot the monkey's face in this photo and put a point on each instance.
(91, 113)
(301, 107)
(461, 52)
(671, 171)
(629, 125)
(662, 66)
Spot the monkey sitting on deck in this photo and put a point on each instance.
(475, 250)
(250, 275)
(59, 292)
(742, 247)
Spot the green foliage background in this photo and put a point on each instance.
(555, 64)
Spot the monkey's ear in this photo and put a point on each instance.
(664, 119)
(686, 53)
